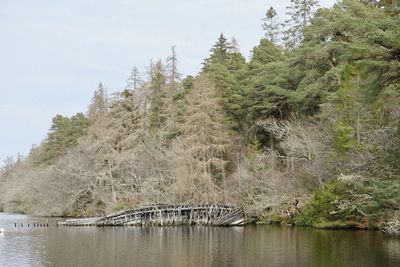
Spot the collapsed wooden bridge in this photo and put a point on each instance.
(165, 215)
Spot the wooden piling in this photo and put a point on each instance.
(162, 215)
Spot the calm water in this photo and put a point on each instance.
(191, 246)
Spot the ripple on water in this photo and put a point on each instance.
(191, 246)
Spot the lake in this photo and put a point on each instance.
(190, 246)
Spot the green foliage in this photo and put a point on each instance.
(266, 52)
(219, 53)
(332, 98)
(157, 98)
(267, 84)
(228, 92)
(225, 66)
(64, 133)
(271, 25)
(343, 137)
(349, 33)
(255, 149)
(348, 108)
(188, 82)
(300, 12)
(321, 205)
(352, 202)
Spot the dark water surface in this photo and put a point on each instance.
(190, 246)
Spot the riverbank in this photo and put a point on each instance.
(349, 202)
(345, 203)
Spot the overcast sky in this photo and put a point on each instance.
(54, 53)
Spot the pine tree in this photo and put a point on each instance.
(299, 12)
(172, 105)
(157, 95)
(219, 53)
(225, 66)
(64, 133)
(390, 6)
(337, 37)
(235, 60)
(271, 25)
(267, 83)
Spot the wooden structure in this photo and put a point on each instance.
(164, 215)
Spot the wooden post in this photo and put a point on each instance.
(168, 222)
(150, 219)
(161, 218)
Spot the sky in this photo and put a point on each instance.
(53, 54)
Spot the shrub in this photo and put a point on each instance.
(352, 201)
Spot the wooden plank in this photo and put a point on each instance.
(206, 214)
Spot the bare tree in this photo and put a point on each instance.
(172, 66)
(134, 80)
(98, 107)
(201, 151)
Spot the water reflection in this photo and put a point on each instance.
(192, 246)
(20, 247)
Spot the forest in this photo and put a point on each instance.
(306, 131)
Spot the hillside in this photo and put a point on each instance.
(306, 131)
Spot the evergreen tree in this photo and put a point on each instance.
(236, 61)
(267, 83)
(157, 95)
(337, 37)
(64, 133)
(227, 91)
(173, 105)
(188, 82)
(219, 53)
(225, 66)
(392, 6)
(271, 25)
(299, 12)
(266, 52)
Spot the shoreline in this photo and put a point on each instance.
(256, 223)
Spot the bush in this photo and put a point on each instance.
(318, 210)
(352, 201)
